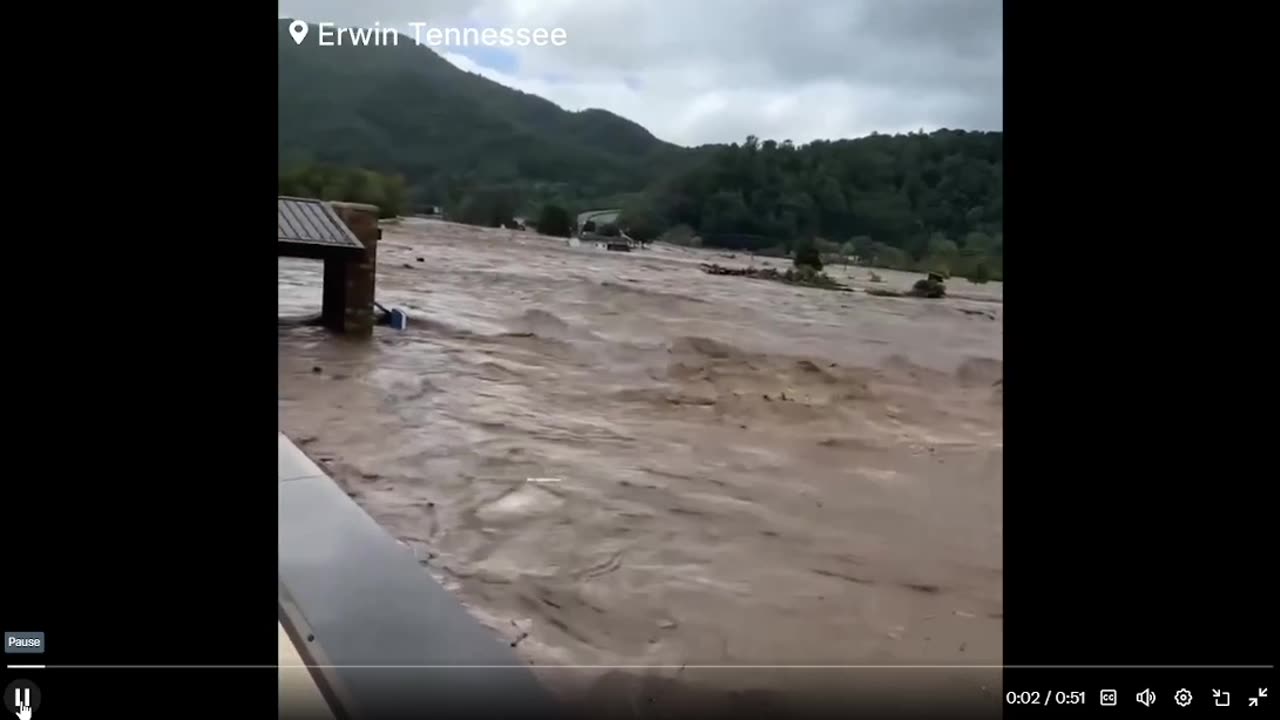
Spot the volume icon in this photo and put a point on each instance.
(1146, 697)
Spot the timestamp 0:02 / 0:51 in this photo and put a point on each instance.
(1052, 697)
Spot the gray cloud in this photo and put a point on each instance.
(699, 71)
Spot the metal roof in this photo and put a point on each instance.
(312, 222)
(600, 217)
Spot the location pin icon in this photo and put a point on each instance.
(298, 30)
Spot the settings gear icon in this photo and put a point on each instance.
(1182, 697)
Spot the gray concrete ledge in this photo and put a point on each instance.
(400, 642)
(292, 463)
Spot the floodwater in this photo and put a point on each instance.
(727, 471)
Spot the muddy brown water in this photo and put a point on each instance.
(735, 471)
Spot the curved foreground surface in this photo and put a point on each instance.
(376, 638)
(740, 471)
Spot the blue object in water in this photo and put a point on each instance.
(399, 320)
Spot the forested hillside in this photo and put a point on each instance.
(403, 128)
(406, 110)
(896, 200)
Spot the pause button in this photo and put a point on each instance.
(22, 698)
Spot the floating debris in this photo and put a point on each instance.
(807, 277)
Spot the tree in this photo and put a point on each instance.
(680, 235)
(469, 210)
(864, 248)
(942, 255)
(826, 247)
(902, 190)
(395, 196)
(640, 221)
(846, 252)
(555, 221)
(980, 274)
(345, 184)
(807, 255)
(978, 243)
(488, 208)
(891, 257)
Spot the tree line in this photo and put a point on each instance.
(922, 201)
(346, 184)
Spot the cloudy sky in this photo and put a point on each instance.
(701, 71)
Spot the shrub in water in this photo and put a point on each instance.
(807, 255)
(554, 220)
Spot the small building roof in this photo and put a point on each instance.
(308, 226)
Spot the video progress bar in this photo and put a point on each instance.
(650, 667)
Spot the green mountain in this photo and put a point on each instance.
(405, 109)
(423, 132)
